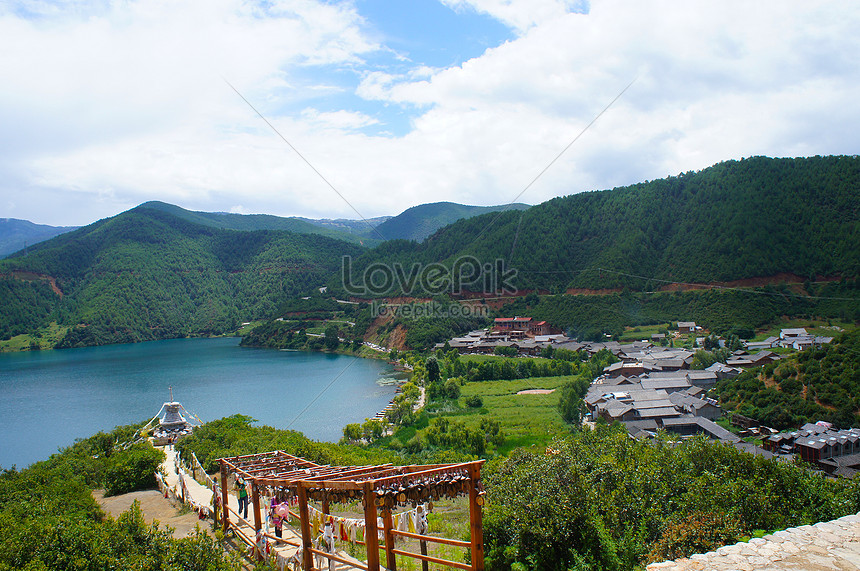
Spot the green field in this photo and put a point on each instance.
(45, 338)
(526, 420)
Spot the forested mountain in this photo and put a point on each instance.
(419, 222)
(349, 230)
(147, 274)
(17, 234)
(738, 219)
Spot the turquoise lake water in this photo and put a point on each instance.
(50, 398)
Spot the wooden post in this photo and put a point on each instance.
(224, 498)
(258, 523)
(307, 540)
(475, 519)
(425, 565)
(371, 539)
(390, 557)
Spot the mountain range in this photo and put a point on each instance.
(18, 234)
(160, 271)
(737, 220)
(416, 223)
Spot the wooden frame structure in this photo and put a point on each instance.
(380, 489)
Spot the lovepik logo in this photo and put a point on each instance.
(466, 273)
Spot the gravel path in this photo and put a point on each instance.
(154, 506)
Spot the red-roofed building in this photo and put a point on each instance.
(526, 324)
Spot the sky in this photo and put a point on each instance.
(363, 108)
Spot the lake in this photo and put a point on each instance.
(48, 399)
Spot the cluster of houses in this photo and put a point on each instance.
(837, 452)
(652, 388)
(797, 339)
(529, 336)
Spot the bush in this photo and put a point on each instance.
(474, 401)
(452, 389)
(699, 532)
(132, 470)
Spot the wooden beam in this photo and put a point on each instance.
(476, 519)
(390, 558)
(307, 540)
(371, 539)
(444, 562)
(445, 540)
(340, 559)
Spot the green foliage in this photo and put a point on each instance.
(735, 220)
(516, 368)
(699, 532)
(451, 389)
(27, 306)
(456, 435)
(570, 405)
(49, 519)
(600, 500)
(821, 383)
(433, 373)
(727, 312)
(235, 436)
(474, 401)
(331, 338)
(132, 470)
(146, 274)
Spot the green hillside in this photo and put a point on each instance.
(419, 222)
(736, 220)
(146, 274)
(817, 384)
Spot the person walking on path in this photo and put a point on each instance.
(242, 495)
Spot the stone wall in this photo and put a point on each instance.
(823, 546)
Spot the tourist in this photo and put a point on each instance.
(242, 494)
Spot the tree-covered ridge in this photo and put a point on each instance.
(735, 220)
(419, 222)
(146, 274)
(821, 383)
(356, 233)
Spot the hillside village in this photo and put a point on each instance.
(653, 387)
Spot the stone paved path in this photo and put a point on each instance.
(833, 545)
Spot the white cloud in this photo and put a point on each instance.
(520, 14)
(104, 107)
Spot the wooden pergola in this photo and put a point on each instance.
(381, 489)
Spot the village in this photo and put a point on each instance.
(652, 387)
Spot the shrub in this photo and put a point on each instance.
(699, 532)
(133, 469)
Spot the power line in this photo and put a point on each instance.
(307, 162)
(558, 156)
